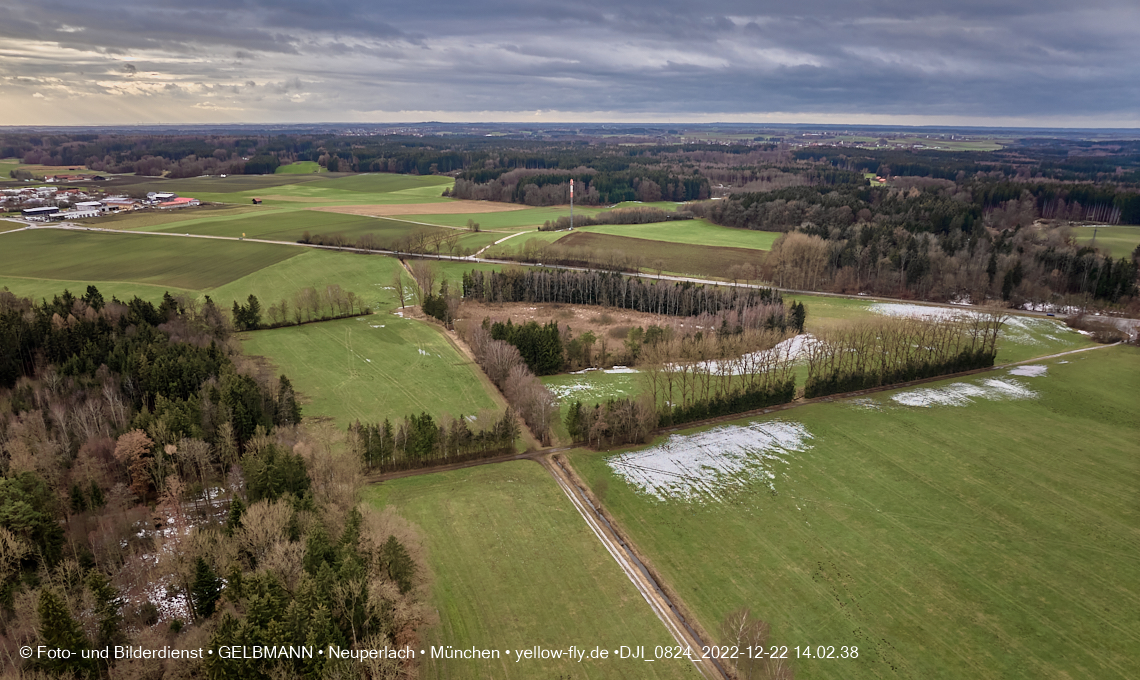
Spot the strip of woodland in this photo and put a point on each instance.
(891, 351)
(680, 298)
(418, 441)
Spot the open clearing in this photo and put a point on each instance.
(373, 367)
(1118, 241)
(191, 264)
(985, 538)
(299, 168)
(514, 566)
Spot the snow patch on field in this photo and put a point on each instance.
(792, 349)
(615, 369)
(702, 467)
(866, 404)
(1034, 371)
(1023, 330)
(964, 394)
(622, 369)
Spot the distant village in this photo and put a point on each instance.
(49, 203)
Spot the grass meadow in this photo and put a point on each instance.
(188, 264)
(374, 367)
(1118, 241)
(300, 168)
(513, 565)
(991, 539)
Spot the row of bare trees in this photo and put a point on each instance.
(420, 240)
(501, 361)
(310, 304)
(887, 351)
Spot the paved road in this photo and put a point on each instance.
(514, 263)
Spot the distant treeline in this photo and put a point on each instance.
(418, 441)
(934, 239)
(638, 215)
(595, 185)
(614, 290)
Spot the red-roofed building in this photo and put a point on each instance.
(184, 202)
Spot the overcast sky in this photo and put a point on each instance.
(984, 62)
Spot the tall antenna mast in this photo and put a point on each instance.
(571, 204)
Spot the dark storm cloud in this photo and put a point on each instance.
(974, 58)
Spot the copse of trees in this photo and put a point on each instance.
(306, 305)
(708, 375)
(890, 351)
(613, 290)
(539, 346)
(504, 365)
(418, 441)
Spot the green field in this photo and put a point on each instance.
(46, 289)
(693, 232)
(290, 225)
(306, 190)
(1117, 241)
(990, 540)
(186, 263)
(513, 566)
(299, 168)
(372, 368)
(369, 276)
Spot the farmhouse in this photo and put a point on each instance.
(184, 202)
(117, 203)
(160, 196)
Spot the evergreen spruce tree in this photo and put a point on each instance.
(108, 608)
(288, 410)
(60, 631)
(205, 589)
(398, 563)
